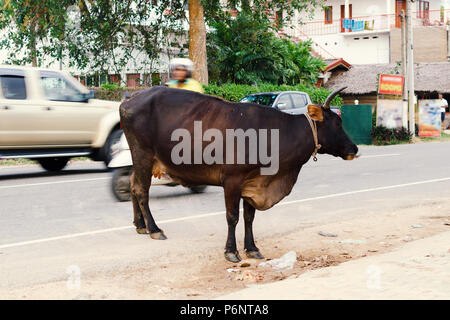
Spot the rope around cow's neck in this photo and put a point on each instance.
(312, 123)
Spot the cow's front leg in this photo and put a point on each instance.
(232, 199)
(249, 243)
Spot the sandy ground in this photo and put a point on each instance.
(206, 274)
(417, 270)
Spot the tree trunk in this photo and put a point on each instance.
(197, 41)
(32, 45)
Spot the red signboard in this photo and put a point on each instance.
(390, 84)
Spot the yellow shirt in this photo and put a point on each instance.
(189, 84)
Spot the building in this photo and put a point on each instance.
(361, 81)
(356, 32)
(139, 70)
(368, 31)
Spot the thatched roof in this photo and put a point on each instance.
(362, 79)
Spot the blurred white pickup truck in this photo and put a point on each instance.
(47, 115)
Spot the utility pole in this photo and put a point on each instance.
(410, 71)
(448, 43)
(404, 70)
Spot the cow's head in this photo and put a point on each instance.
(331, 135)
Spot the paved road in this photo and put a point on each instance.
(51, 221)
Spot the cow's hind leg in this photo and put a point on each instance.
(140, 185)
(249, 243)
(138, 220)
(232, 199)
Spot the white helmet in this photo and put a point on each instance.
(185, 62)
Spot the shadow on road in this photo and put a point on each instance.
(174, 193)
(41, 174)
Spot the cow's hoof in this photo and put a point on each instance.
(141, 230)
(254, 255)
(232, 256)
(158, 235)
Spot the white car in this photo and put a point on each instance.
(49, 116)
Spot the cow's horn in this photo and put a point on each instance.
(331, 97)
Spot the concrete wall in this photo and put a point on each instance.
(357, 49)
(362, 8)
(359, 8)
(430, 44)
(381, 45)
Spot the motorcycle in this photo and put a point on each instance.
(122, 166)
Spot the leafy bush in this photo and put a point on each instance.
(384, 136)
(245, 50)
(231, 92)
(113, 92)
(110, 86)
(235, 92)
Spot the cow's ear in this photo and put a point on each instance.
(315, 112)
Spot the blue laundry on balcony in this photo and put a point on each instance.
(354, 25)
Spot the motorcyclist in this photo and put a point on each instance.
(181, 70)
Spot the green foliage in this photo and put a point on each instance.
(95, 35)
(216, 10)
(26, 24)
(231, 92)
(234, 92)
(110, 86)
(245, 50)
(114, 93)
(109, 35)
(384, 136)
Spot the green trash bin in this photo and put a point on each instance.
(357, 122)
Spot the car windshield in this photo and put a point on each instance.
(264, 99)
(57, 88)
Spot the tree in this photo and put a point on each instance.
(114, 34)
(245, 50)
(197, 40)
(217, 9)
(108, 34)
(298, 65)
(32, 27)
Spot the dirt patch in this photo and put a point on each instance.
(205, 274)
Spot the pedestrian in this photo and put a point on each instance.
(444, 105)
(181, 70)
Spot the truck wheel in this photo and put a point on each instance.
(198, 189)
(111, 145)
(120, 183)
(53, 164)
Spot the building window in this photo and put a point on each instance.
(423, 8)
(92, 80)
(114, 78)
(146, 80)
(278, 18)
(133, 80)
(328, 15)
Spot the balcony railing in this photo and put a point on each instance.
(367, 23)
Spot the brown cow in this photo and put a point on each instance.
(155, 119)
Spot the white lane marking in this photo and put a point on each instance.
(52, 182)
(334, 195)
(198, 216)
(68, 236)
(80, 234)
(374, 156)
(95, 179)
